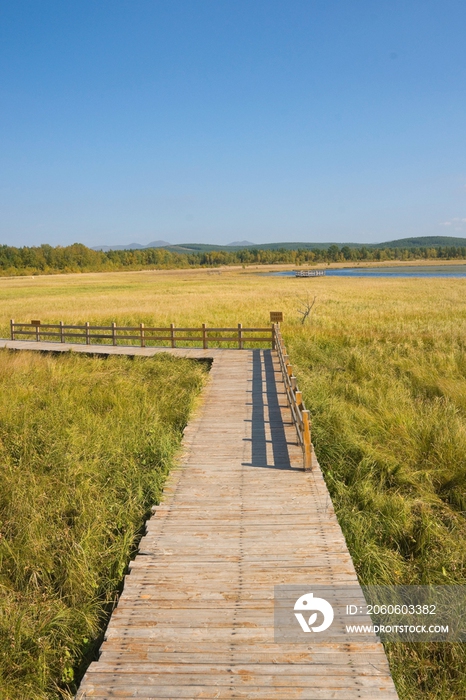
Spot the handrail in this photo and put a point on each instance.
(295, 399)
(61, 332)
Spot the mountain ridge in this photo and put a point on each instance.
(410, 242)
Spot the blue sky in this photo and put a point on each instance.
(221, 120)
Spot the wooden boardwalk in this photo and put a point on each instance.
(239, 515)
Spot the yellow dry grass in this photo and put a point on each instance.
(365, 306)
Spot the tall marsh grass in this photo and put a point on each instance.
(389, 427)
(85, 445)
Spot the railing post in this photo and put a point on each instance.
(172, 335)
(143, 337)
(62, 333)
(274, 328)
(204, 337)
(240, 336)
(299, 399)
(38, 332)
(307, 441)
(12, 329)
(293, 382)
(88, 335)
(114, 338)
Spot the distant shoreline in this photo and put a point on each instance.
(247, 269)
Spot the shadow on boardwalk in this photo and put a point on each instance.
(267, 427)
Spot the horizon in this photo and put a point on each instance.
(162, 244)
(265, 121)
(408, 242)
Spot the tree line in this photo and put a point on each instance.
(46, 259)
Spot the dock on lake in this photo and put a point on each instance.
(239, 516)
(309, 273)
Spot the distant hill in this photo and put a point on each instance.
(238, 245)
(422, 242)
(301, 245)
(417, 242)
(132, 246)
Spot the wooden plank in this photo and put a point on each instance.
(140, 675)
(213, 692)
(326, 657)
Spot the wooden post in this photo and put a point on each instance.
(38, 332)
(114, 338)
(172, 335)
(62, 333)
(274, 343)
(88, 337)
(289, 370)
(143, 337)
(307, 441)
(293, 382)
(12, 329)
(204, 337)
(299, 398)
(240, 336)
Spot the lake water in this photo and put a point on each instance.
(408, 271)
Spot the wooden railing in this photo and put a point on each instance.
(171, 337)
(295, 399)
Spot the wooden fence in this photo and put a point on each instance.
(295, 399)
(172, 337)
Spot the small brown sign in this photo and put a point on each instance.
(35, 323)
(276, 316)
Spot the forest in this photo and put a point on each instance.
(46, 259)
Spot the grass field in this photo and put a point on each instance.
(383, 367)
(85, 447)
